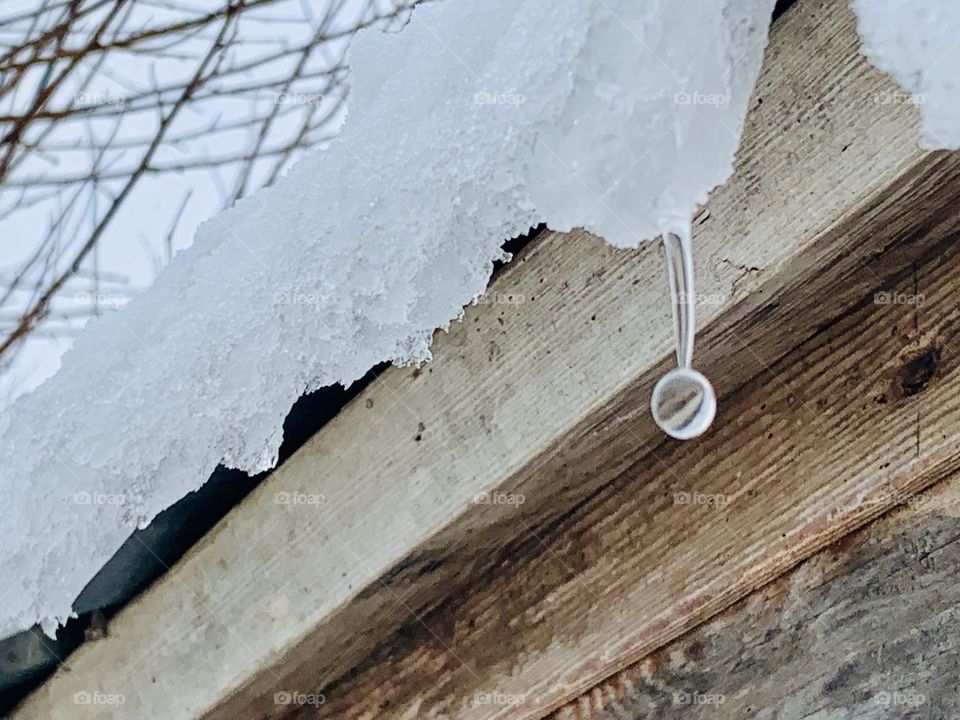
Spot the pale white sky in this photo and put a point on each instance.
(134, 247)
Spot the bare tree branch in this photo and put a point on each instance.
(97, 95)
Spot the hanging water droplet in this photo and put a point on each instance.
(683, 403)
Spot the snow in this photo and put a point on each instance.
(916, 43)
(135, 245)
(475, 123)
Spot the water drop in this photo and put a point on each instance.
(683, 403)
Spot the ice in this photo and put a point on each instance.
(916, 43)
(478, 121)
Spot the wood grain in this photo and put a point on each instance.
(376, 521)
(865, 629)
(847, 425)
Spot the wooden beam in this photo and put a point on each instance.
(865, 628)
(374, 520)
(847, 425)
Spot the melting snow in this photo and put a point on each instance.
(917, 43)
(478, 121)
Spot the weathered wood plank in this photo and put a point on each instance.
(866, 629)
(546, 398)
(845, 426)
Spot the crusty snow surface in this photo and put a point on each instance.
(918, 44)
(478, 121)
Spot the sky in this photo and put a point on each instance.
(140, 238)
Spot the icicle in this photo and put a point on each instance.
(683, 402)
